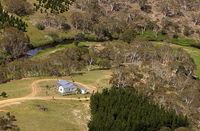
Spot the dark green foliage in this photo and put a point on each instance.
(6, 123)
(128, 110)
(4, 94)
(9, 20)
(55, 6)
(128, 35)
(65, 26)
(78, 38)
(40, 26)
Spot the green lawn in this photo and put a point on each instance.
(61, 115)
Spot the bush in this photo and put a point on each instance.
(19, 7)
(128, 35)
(54, 36)
(4, 94)
(40, 26)
(65, 26)
(78, 38)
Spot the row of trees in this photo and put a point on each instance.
(61, 63)
(125, 109)
(9, 20)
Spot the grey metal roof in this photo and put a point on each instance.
(66, 84)
(69, 85)
(63, 82)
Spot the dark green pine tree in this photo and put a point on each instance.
(54, 6)
(128, 110)
(9, 20)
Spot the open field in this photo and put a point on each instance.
(21, 88)
(61, 115)
(17, 88)
(64, 112)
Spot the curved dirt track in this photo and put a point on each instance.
(35, 90)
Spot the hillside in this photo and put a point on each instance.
(148, 50)
(108, 19)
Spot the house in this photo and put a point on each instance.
(66, 86)
(83, 90)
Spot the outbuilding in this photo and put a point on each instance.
(83, 90)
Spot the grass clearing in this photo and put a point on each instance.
(61, 115)
(60, 47)
(52, 90)
(21, 88)
(97, 78)
(17, 88)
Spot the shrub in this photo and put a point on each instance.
(4, 94)
(19, 7)
(65, 26)
(128, 35)
(40, 26)
(54, 36)
(78, 38)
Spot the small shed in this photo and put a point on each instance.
(83, 90)
(66, 86)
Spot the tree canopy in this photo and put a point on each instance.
(54, 6)
(9, 20)
(127, 110)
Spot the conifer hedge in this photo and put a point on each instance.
(127, 110)
(9, 20)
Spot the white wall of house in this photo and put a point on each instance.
(61, 89)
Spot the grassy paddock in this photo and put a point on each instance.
(61, 115)
(17, 88)
(21, 88)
